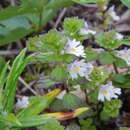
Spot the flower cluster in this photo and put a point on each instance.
(65, 47)
(74, 47)
(108, 91)
(80, 68)
(124, 54)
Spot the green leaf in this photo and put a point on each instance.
(119, 78)
(124, 128)
(91, 55)
(15, 22)
(11, 118)
(2, 82)
(126, 41)
(126, 3)
(108, 40)
(73, 126)
(87, 124)
(14, 35)
(54, 4)
(34, 121)
(111, 108)
(122, 80)
(53, 41)
(51, 125)
(59, 73)
(120, 62)
(9, 12)
(10, 88)
(71, 101)
(33, 4)
(85, 1)
(106, 58)
(57, 105)
(2, 63)
(34, 44)
(38, 104)
(72, 26)
(13, 11)
(14, 29)
(98, 77)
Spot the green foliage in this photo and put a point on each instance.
(10, 88)
(11, 118)
(71, 101)
(14, 29)
(2, 82)
(111, 108)
(29, 11)
(85, 1)
(126, 3)
(57, 105)
(87, 124)
(37, 105)
(34, 121)
(53, 40)
(122, 80)
(106, 58)
(34, 44)
(120, 62)
(50, 48)
(98, 77)
(124, 128)
(73, 126)
(59, 73)
(72, 27)
(108, 40)
(54, 4)
(91, 55)
(2, 63)
(53, 125)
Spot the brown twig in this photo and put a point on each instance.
(27, 86)
(61, 15)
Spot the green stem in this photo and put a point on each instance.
(40, 21)
(114, 64)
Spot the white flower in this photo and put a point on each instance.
(124, 54)
(23, 102)
(74, 47)
(77, 68)
(113, 14)
(89, 69)
(86, 30)
(80, 68)
(108, 91)
(119, 36)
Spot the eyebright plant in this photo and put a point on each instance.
(26, 112)
(82, 70)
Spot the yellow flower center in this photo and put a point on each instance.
(104, 92)
(73, 50)
(126, 56)
(76, 69)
